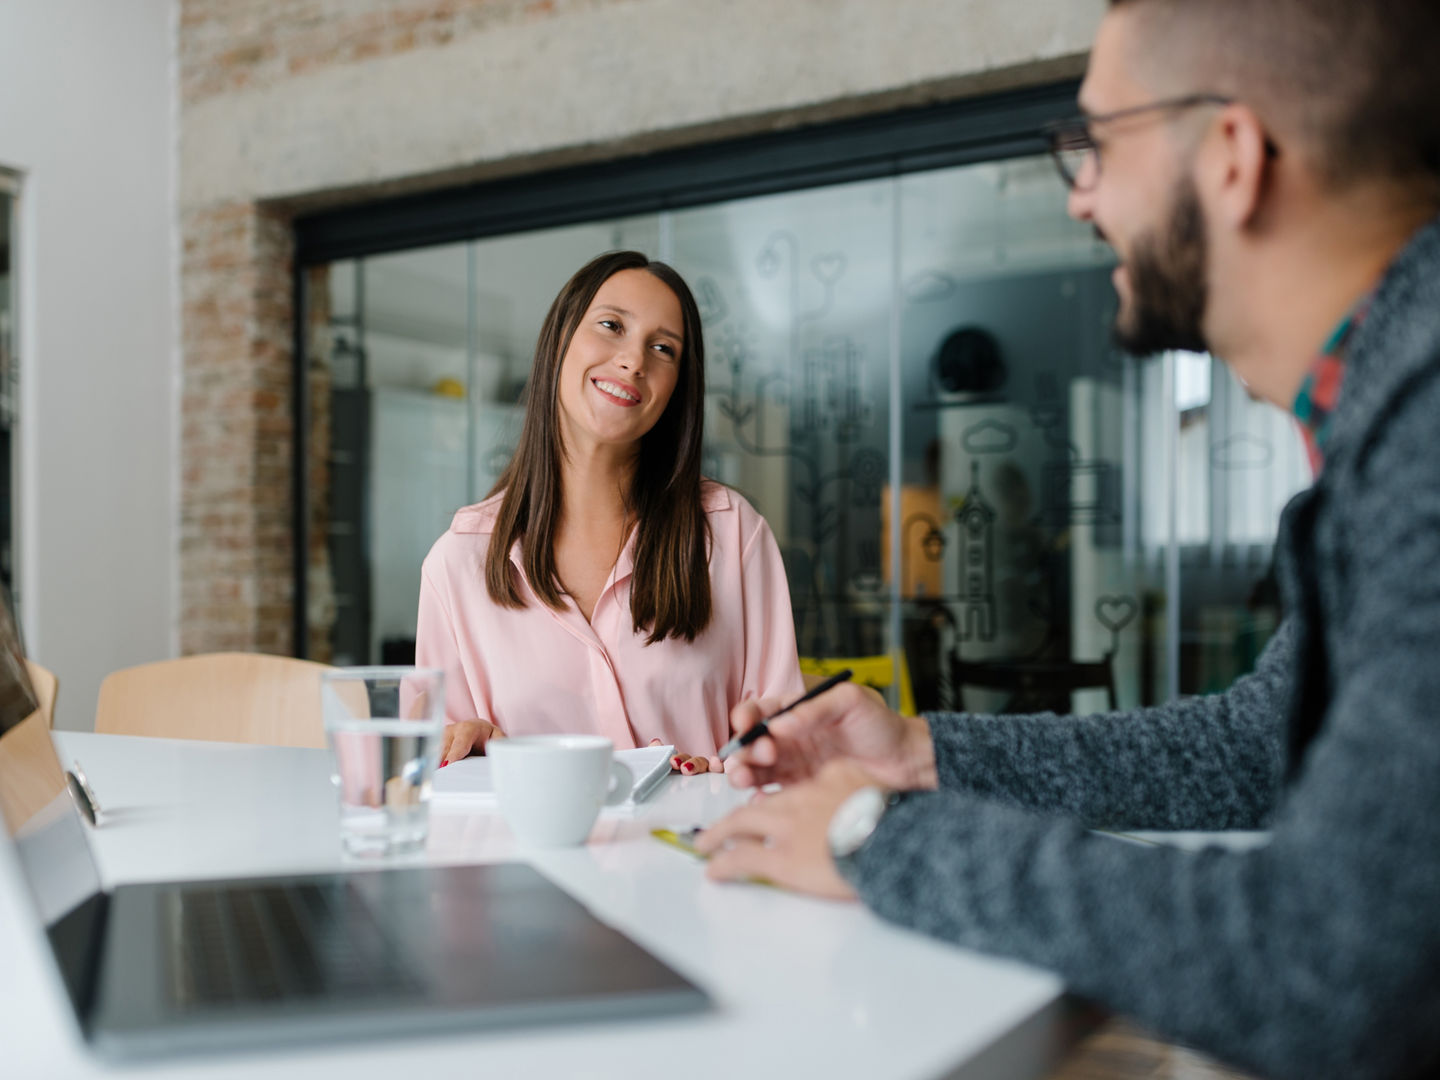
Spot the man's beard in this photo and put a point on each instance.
(1168, 289)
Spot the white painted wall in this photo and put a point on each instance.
(87, 116)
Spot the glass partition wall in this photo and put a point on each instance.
(909, 375)
(9, 389)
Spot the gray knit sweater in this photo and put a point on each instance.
(1317, 955)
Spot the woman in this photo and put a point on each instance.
(604, 586)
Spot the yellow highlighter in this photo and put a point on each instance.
(683, 840)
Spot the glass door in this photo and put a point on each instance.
(910, 375)
(9, 389)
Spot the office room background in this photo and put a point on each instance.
(344, 222)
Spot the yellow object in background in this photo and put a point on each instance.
(681, 840)
(448, 387)
(877, 672)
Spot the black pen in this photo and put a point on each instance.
(745, 738)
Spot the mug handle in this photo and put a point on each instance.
(621, 781)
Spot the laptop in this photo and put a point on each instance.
(176, 967)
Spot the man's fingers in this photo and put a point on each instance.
(746, 859)
(741, 775)
(755, 820)
(746, 715)
(751, 711)
(762, 752)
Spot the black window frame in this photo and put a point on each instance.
(993, 127)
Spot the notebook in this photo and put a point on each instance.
(467, 783)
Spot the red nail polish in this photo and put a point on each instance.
(687, 767)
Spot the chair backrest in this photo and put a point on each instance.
(1034, 685)
(46, 687)
(226, 697)
(874, 671)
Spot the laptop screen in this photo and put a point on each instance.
(38, 811)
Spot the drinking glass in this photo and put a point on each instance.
(384, 726)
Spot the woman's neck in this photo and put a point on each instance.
(594, 490)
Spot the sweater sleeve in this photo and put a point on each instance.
(1205, 763)
(1315, 956)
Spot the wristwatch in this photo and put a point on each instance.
(856, 818)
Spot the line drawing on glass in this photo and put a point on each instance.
(976, 552)
(929, 286)
(828, 268)
(821, 391)
(1115, 613)
(989, 437)
(710, 300)
(1081, 493)
(1048, 415)
(1242, 451)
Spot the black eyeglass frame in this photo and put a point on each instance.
(1073, 134)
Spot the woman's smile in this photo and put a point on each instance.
(617, 393)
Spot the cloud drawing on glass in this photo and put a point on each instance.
(989, 437)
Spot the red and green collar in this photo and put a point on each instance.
(1320, 392)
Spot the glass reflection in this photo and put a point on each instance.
(976, 495)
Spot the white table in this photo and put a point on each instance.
(801, 987)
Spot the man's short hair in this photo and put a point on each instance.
(1356, 82)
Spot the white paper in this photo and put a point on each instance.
(467, 783)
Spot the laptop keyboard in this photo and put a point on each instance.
(271, 942)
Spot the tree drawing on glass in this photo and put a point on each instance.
(977, 563)
(811, 410)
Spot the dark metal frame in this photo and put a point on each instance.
(990, 128)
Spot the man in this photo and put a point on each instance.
(1269, 177)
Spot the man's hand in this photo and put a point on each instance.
(465, 738)
(849, 721)
(783, 837)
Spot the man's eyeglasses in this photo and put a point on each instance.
(1072, 142)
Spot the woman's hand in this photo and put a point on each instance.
(691, 764)
(460, 740)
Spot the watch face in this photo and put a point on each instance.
(84, 795)
(855, 820)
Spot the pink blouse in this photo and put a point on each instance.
(537, 670)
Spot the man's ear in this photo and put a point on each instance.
(1235, 166)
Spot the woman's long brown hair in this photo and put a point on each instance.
(670, 590)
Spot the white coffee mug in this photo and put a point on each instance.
(551, 787)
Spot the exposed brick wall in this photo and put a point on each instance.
(229, 45)
(236, 430)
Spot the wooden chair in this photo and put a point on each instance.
(873, 671)
(1033, 685)
(46, 687)
(226, 697)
